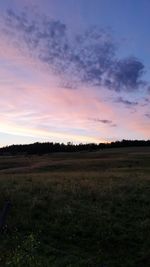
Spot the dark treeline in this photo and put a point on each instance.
(45, 148)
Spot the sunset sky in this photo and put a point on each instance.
(74, 70)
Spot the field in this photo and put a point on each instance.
(87, 209)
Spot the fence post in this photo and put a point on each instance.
(3, 214)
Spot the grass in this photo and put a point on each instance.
(77, 209)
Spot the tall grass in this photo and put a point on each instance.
(82, 209)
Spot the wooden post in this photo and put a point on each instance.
(3, 214)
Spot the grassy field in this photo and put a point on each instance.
(88, 209)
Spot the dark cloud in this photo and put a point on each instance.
(93, 55)
(126, 102)
(45, 38)
(148, 89)
(145, 102)
(104, 121)
(87, 58)
(147, 115)
(19, 25)
(126, 74)
(67, 85)
(114, 125)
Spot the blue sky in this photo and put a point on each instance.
(74, 70)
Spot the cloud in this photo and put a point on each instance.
(87, 58)
(104, 121)
(148, 89)
(147, 100)
(38, 109)
(126, 74)
(128, 103)
(147, 115)
(46, 39)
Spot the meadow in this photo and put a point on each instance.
(83, 209)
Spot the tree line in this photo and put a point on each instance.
(50, 147)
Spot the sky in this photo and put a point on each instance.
(74, 71)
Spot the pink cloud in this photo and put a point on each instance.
(32, 104)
